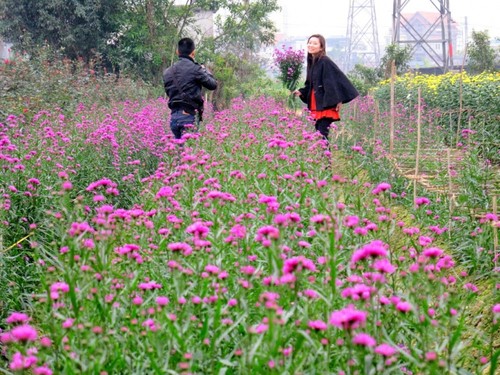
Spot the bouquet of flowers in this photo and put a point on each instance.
(289, 63)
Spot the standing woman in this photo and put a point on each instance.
(326, 87)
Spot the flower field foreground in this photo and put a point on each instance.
(250, 255)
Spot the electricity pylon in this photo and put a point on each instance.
(429, 35)
(362, 35)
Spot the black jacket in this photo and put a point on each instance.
(331, 86)
(184, 90)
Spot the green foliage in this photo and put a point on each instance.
(79, 29)
(224, 70)
(401, 57)
(135, 39)
(245, 26)
(145, 42)
(19, 276)
(473, 181)
(47, 80)
(364, 78)
(481, 55)
(138, 38)
(238, 77)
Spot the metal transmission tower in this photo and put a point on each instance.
(362, 35)
(432, 38)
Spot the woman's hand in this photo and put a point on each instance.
(296, 93)
(338, 107)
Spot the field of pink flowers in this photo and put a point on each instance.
(248, 249)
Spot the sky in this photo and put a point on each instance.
(330, 17)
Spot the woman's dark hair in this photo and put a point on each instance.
(185, 46)
(312, 59)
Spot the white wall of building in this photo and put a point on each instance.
(5, 50)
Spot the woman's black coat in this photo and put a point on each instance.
(331, 86)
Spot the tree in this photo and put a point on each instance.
(139, 37)
(401, 57)
(364, 78)
(79, 29)
(481, 56)
(151, 29)
(145, 41)
(244, 26)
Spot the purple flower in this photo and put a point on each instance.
(58, 287)
(348, 318)
(24, 333)
(385, 350)
(43, 370)
(432, 252)
(351, 221)
(183, 247)
(364, 339)
(20, 362)
(296, 264)
(383, 266)
(419, 201)
(403, 306)
(373, 249)
(381, 187)
(17, 317)
(162, 301)
(317, 325)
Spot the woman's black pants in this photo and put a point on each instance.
(323, 126)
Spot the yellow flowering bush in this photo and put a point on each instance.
(457, 100)
(478, 92)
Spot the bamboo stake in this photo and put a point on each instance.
(15, 244)
(460, 109)
(495, 231)
(393, 79)
(417, 156)
(461, 95)
(450, 192)
(375, 121)
(451, 126)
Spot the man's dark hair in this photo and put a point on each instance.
(185, 46)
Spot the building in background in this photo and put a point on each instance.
(5, 50)
(424, 32)
(203, 26)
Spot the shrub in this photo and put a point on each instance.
(29, 84)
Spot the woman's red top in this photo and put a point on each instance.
(328, 113)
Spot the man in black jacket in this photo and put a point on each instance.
(183, 83)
